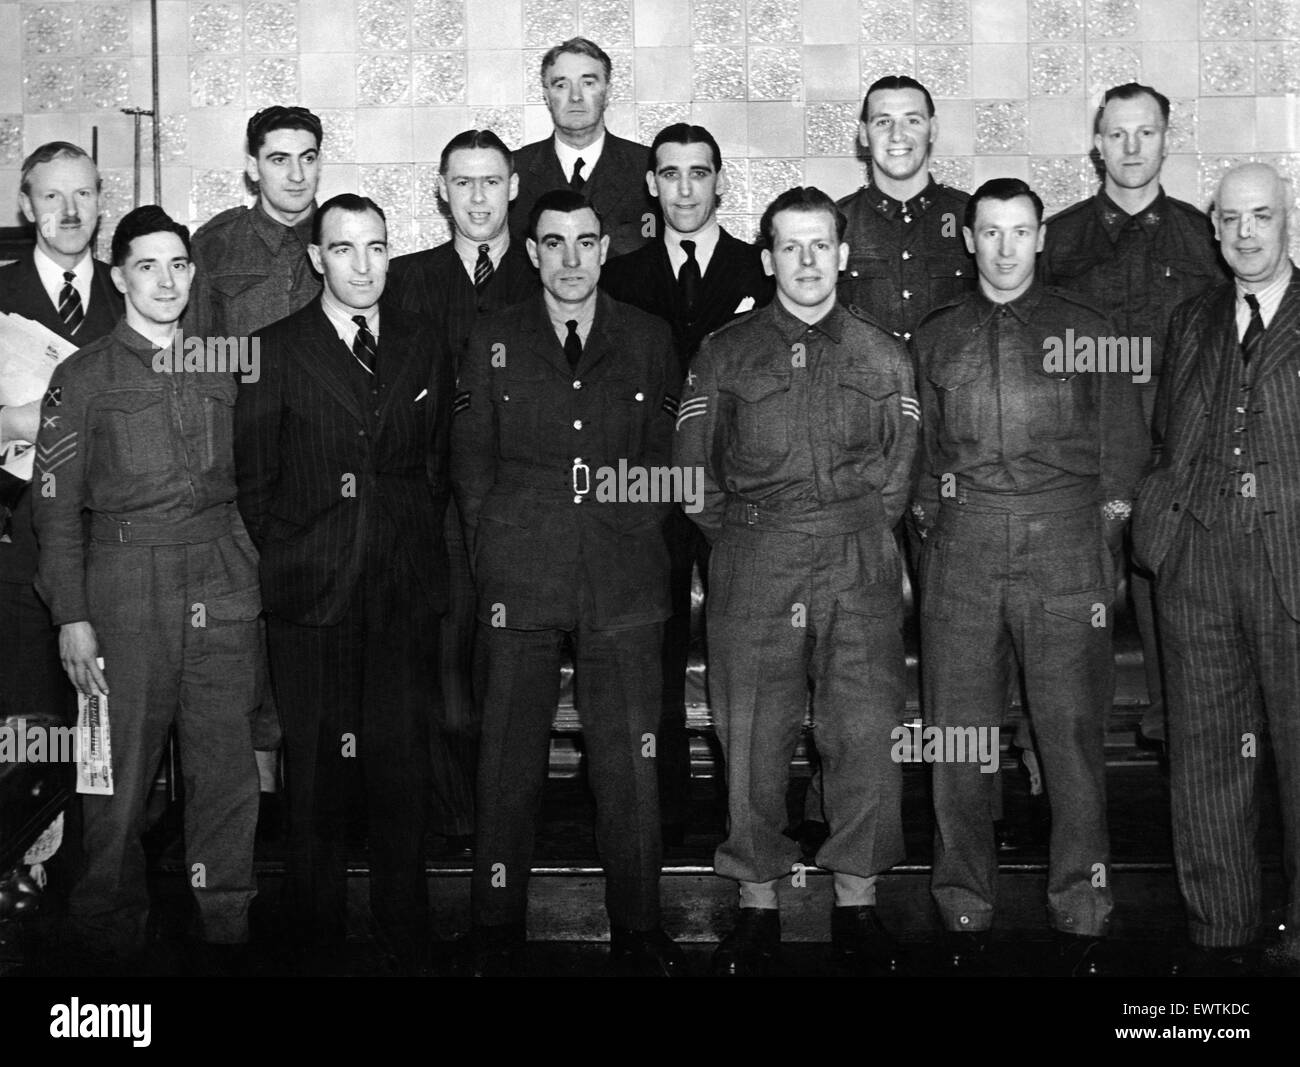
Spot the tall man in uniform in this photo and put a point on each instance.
(556, 395)
(253, 270)
(479, 271)
(1218, 522)
(803, 420)
(144, 562)
(697, 277)
(1027, 477)
(342, 447)
(582, 154)
(1139, 253)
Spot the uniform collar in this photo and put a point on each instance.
(274, 234)
(1022, 307)
(135, 342)
(907, 210)
(1114, 218)
(791, 328)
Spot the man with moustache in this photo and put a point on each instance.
(1217, 522)
(555, 393)
(803, 419)
(582, 154)
(1139, 253)
(696, 277)
(341, 449)
(144, 562)
(68, 292)
(1027, 475)
(479, 271)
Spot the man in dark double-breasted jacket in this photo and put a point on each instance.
(341, 451)
(563, 409)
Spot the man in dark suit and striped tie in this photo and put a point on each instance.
(1218, 522)
(341, 451)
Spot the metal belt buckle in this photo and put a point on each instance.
(123, 532)
(751, 514)
(578, 465)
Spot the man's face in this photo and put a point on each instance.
(63, 202)
(352, 257)
(1006, 240)
(1132, 141)
(1251, 221)
(568, 253)
(478, 187)
(287, 171)
(687, 185)
(805, 258)
(899, 132)
(575, 93)
(155, 279)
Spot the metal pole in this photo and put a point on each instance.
(136, 113)
(157, 114)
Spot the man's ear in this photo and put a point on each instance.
(934, 130)
(313, 253)
(441, 185)
(604, 248)
(1042, 238)
(29, 212)
(768, 267)
(969, 235)
(250, 168)
(119, 280)
(863, 139)
(650, 184)
(514, 186)
(844, 255)
(531, 245)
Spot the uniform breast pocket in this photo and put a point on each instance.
(218, 421)
(956, 384)
(1058, 404)
(133, 427)
(1177, 280)
(519, 413)
(865, 278)
(861, 395)
(623, 417)
(763, 409)
(950, 277)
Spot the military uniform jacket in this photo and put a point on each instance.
(536, 451)
(129, 444)
(800, 428)
(1202, 335)
(250, 271)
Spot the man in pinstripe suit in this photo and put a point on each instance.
(1218, 522)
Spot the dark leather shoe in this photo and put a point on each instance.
(1081, 956)
(967, 953)
(860, 940)
(645, 953)
(750, 949)
(497, 951)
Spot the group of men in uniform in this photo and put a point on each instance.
(875, 361)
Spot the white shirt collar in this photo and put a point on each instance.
(590, 156)
(341, 318)
(706, 240)
(467, 250)
(51, 275)
(1270, 297)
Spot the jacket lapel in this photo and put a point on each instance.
(30, 294)
(327, 359)
(1221, 322)
(410, 375)
(1283, 333)
(603, 340)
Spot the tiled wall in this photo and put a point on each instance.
(778, 81)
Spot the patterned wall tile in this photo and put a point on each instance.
(1278, 68)
(955, 171)
(1055, 70)
(425, 189)
(216, 81)
(1278, 18)
(117, 193)
(531, 58)
(1060, 180)
(11, 140)
(744, 227)
(272, 80)
(49, 85)
(877, 62)
(1112, 18)
(944, 71)
(215, 190)
(1110, 65)
(105, 83)
(885, 20)
(1227, 18)
(769, 178)
(717, 21)
(622, 86)
(383, 24)
(389, 186)
(736, 199)
(831, 129)
(431, 232)
(651, 118)
(548, 22)
(340, 135)
(49, 29)
(775, 21)
(942, 20)
(1001, 127)
(174, 137)
(506, 122)
(1227, 69)
(401, 234)
(271, 27)
(775, 74)
(216, 27)
(1209, 169)
(438, 77)
(438, 24)
(608, 22)
(719, 73)
(383, 79)
(1183, 119)
(1055, 20)
(105, 29)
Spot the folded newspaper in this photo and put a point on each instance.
(29, 352)
(94, 752)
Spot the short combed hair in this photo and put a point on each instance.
(565, 201)
(141, 222)
(1131, 91)
(49, 152)
(578, 46)
(1001, 189)
(469, 139)
(684, 133)
(896, 81)
(344, 202)
(800, 198)
(278, 117)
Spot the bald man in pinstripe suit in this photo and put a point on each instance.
(1218, 522)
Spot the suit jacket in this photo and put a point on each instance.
(616, 186)
(22, 293)
(645, 279)
(1202, 334)
(300, 432)
(550, 538)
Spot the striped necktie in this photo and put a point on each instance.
(1254, 334)
(70, 309)
(363, 345)
(482, 268)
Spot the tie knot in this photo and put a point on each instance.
(482, 250)
(360, 320)
(572, 324)
(1252, 302)
(69, 276)
(578, 164)
(689, 248)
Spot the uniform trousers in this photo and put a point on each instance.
(617, 679)
(1232, 672)
(1034, 591)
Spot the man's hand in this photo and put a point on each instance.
(20, 422)
(78, 650)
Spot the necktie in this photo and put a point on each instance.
(577, 182)
(573, 344)
(1254, 332)
(688, 278)
(364, 346)
(70, 310)
(482, 268)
